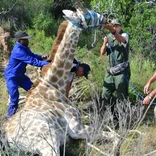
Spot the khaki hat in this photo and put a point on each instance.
(116, 21)
(21, 35)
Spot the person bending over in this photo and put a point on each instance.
(79, 70)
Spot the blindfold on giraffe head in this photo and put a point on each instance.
(85, 19)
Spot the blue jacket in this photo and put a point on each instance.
(20, 57)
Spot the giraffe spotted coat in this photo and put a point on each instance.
(48, 117)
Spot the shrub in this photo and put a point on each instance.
(40, 43)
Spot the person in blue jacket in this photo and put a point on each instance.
(14, 73)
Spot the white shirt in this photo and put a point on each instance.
(125, 35)
(71, 76)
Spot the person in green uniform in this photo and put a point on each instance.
(117, 76)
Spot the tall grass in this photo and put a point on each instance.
(86, 95)
(133, 138)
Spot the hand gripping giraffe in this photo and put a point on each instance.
(48, 117)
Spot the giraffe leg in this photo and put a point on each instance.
(115, 138)
(111, 136)
(49, 152)
(78, 131)
(49, 148)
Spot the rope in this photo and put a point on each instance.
(130, 84)
(98, 26)
(94, 39)
(116, 62)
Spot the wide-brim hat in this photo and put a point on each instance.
(116, 22)
(21, 35)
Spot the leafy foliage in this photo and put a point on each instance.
(41, 19)
(20, 14)
(40, 43)
(142, 30)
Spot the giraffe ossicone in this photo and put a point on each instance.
(48, 117)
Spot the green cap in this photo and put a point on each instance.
(116, 21)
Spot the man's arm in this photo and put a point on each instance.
(148, 84)
(68, 87)
(69, 83)
(118, 37)
(104, 46)
(28, 59)
(149, 97)
(39, 57)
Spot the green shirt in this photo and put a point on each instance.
(118, 53)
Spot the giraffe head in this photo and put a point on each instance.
(85, 18)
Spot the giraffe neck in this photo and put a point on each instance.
(59, 37)
(57, 41)
(59, 70)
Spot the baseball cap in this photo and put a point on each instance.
(21, 35)
(116, 21)
(86, 69)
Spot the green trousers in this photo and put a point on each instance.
(118, 83)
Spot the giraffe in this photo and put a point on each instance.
(42, 72)
(55, 46)
(48, 117)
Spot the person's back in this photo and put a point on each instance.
(15, 66)
(20, 57)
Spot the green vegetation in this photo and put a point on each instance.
(42, 19)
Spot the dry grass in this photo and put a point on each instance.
(142, 141)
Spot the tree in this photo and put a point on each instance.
(143, 28)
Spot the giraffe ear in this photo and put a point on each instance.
(71, 16)
(68, 12)
(72, 19)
